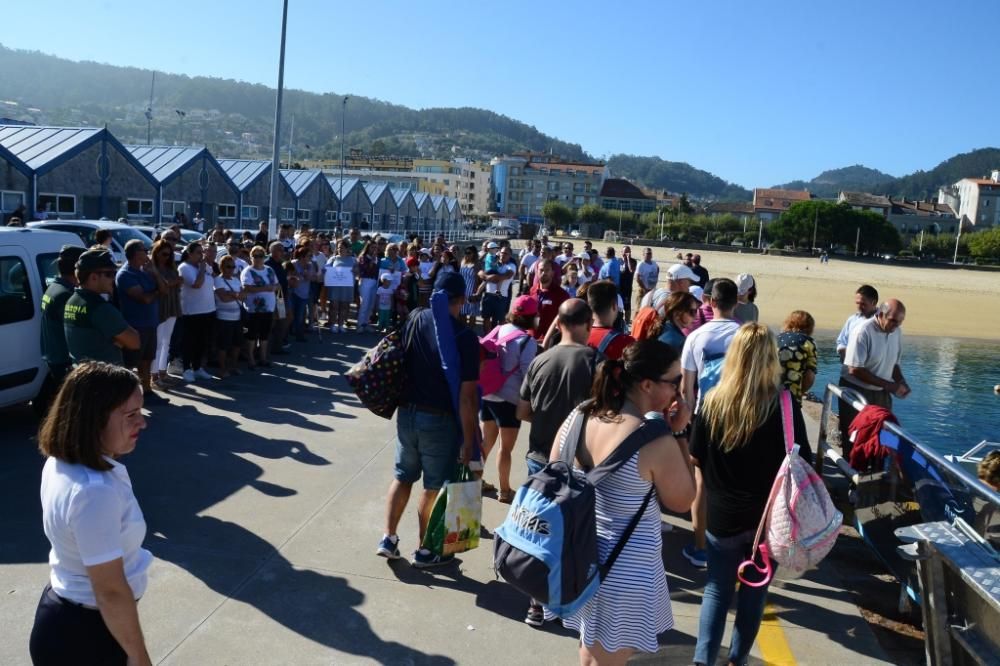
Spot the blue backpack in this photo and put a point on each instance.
(547, 546)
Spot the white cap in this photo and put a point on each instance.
(744, 282)
(492, 245)
(583, 255)
(384, 276)
(682, 272)
(697, 292)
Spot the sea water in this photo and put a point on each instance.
(953, 405)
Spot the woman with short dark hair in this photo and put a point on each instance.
(88, 613)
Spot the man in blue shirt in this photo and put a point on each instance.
(138, 296)
(431, 438)
(611, 270)
(866, 303)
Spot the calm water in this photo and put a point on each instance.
(952, 406)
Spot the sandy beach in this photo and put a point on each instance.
(939, 302)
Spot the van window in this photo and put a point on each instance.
(48, 271)
(15, 291)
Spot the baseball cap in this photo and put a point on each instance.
(95, 260)
(451, 283)
(682, 272)
(492, 245)
(583, 255)
(71, 253)
(697, 292)
(744, 282)
(384, 276)
(412, 261)
(525, 306)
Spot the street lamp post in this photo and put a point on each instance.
(343, 129)
(272, 224)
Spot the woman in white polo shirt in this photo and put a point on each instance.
(198, 310)
(88, 612)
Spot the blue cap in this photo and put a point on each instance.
(450, 283)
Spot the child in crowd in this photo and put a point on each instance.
(491, 261)
(571, 281)
(797, 353)
(385, 295)
(424, 274)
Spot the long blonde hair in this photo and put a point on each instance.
(746, 394)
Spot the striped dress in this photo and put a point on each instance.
(632, 606)
(468, 272)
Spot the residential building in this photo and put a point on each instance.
(523, 182)
(913, 217)
(864, 201)
(77, 172)
(618, 194)
(769, 203)
(975, 200)
(188, 180)
(741, 210)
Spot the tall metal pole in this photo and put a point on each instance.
(954, 259)
(760, 234)
(343, 129)
(272, 223)
(857, 242)
(815, 227)
(291, 137)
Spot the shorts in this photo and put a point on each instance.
(259, 325)
(495, 306)
(314, 289)
(427, 444)
(340, 294)
(501, 411)
(228, 334)
(146, 350)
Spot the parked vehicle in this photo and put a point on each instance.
(87, 229)
(27, 267)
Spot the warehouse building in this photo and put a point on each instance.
(190, 181)
(306, 197)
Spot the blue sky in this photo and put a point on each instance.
(757, 92)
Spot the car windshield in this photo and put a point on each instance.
(48, 271)
(123, 235)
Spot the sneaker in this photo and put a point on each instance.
(200, 373)
(535, 616)
(388, 547)
(175, 368)
(696, 556)
(423, 559)
(188, 376)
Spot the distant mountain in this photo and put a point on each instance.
(828, 184)
(676, 177)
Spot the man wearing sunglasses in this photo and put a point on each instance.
(95, 329)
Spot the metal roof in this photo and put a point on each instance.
(399, 194)
(165, 162)
(375, 190)
(245, 173)
(452, 203)
(299, 180)
(419, 198)
(13, 160)
(348, 186)
(437, 200)
(37, 147)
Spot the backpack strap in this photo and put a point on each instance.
(787, 427)
(575, 432)
(606, 341)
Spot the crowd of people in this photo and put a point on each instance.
(571, 328)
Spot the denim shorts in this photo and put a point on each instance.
(426, 444)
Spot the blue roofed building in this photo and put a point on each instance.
(406, 207)
(252, 179)
(425, 209)
(190, 181)
(384, 209)
(79, 172)
(440, 211)
(355, 206)
(306, 198)
(15, 185)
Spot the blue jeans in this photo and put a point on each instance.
(299, 307)
(724, 557)
(426, 444)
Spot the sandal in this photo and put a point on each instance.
(505, 496)
(488, 487)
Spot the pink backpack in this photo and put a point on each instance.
(801, 522)
(492, 357)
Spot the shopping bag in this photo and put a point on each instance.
(456, 517)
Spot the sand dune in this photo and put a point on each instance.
(939, 302)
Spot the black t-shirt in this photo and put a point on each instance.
(260, 238)
(556, 382)
(426, 385)
(282, 274)
(739, 482)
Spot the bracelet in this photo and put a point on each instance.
(682, 433)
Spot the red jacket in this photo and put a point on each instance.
(864, 430)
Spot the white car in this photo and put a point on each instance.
(87, 229)
(27, 267)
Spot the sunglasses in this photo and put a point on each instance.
(675, 382)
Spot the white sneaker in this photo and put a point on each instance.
(201, 374)
(175, 368)
(188, 376)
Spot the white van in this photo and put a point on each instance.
(87, 229)
(27, 267)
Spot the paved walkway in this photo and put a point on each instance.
(264, 497)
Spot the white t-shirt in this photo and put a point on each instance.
(385, 295)
(90, 518)
(502, 287)
(875, 350)
(710, 338)
(227, 310)
(262, 301)
(648, 274)
(562, 259)
(196, 300)
(528, 260)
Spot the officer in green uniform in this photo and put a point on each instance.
(54, 349)
(95, 329)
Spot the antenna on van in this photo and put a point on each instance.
(149, 110)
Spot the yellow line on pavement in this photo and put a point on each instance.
(774, 648)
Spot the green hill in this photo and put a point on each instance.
(828, 184)
(677, 177)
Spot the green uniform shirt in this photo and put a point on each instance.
(54, 348)
(91, 325)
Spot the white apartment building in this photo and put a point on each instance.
(976, 200)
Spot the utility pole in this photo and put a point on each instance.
(149, 111)
(857, 242)
(343, 129)
(291, 136)
(272, 224)
(954, 259)
(760, 234)
(619, 220)
(661, 224)
(815, 227)
(921, 241)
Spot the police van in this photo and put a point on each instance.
(27, 267)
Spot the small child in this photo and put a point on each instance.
(571, 281)
(797, 354)
(385, 294)
(491, 261)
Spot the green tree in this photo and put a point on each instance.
(592, 214)
(984, 244)
(683, 205)
(834, 224)
(558, 213)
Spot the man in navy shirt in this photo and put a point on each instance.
(431, 438)
(138, 296)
